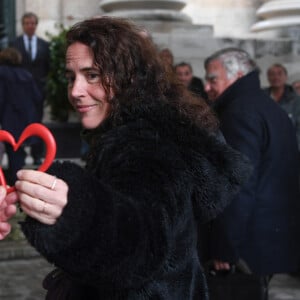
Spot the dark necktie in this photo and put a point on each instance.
(30, 48)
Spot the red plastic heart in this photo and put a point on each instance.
(34, 129)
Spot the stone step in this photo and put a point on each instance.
(10, 250)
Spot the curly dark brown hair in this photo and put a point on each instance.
(130, 66)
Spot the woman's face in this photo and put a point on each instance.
(85, 91)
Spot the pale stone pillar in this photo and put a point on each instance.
(78, 10)
(230, 18)
(277, 14)
(157, 15)
(167, 10)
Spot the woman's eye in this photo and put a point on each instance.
(93, 77)
(70, 79)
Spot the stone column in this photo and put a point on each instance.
(78, 10)
(277, 14)
(156, 15)
(230, 18)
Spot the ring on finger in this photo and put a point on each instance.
(53, 184)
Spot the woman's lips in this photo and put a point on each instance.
(84, 108)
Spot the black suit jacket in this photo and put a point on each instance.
(39, 67)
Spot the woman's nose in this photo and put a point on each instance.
(77, 88)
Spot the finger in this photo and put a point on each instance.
(219, 265)
(36, 200)
(41, 207)
(33, 204)
(10, 211)
(43, 218)
(224, 266)
(40, 191)
(37, 177)
(12, 198)
(2, 194)
(5, 229)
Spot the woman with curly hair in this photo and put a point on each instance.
(125, 226)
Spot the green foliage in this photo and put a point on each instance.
(16, 234)
(57, 97)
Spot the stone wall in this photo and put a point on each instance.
(217, 24)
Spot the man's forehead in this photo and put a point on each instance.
(183, 69)
(276, 69)
(211, 75)
(29, 20)
(214, 66)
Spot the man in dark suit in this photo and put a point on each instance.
(35, 59)
(261, 226)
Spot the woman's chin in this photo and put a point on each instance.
(89, 124)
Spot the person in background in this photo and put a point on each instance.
(296, 86)
(167, 60)
(19, 100)
(184, 73)
(283, 93)
(167, 56)
(261, 226)
(35, 59)
(125, 226)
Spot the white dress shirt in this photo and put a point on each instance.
(33, 45)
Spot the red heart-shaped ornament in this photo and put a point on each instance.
(34, 129)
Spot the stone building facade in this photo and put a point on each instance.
(192, 29)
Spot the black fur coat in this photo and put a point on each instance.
(129, 228)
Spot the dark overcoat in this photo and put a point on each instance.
(19, 99)
(39, 67)
(129, 228)
(262, 224)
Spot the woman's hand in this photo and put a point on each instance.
(221, 265)
(7, 210)
(42, 196)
